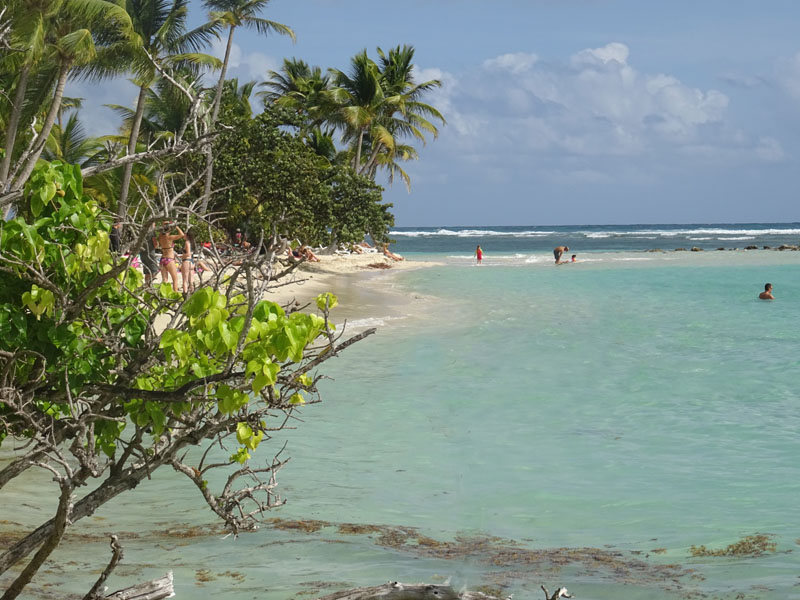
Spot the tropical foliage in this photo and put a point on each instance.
(95, 392)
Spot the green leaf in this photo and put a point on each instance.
(198, 303)
(243, 432)
(327, 301)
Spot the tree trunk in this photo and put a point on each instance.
(122, 205)
(109, 489)
(214, 115)
(51, 543)
(47, 126)
(13, 124)
(357, 159)
(368, 170)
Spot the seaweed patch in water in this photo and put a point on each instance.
(357, 529)
(305, 525)
(514, 561)
(751, 545)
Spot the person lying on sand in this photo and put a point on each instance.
(391, 254)
(308, 254)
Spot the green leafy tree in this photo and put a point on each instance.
(103, 397)
(275, 183)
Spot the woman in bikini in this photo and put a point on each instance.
(187, 262)
(166, 241)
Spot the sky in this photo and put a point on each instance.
(567, 111)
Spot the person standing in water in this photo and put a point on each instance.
(479, 254)
(558, 252)
(767, 293)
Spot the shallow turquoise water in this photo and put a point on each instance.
(621, 404)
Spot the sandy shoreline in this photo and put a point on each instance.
(341, 275)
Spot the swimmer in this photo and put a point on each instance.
(767, 293)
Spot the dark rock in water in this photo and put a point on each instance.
(751, 247)
(720, 248)
(767, 248)
(696, 249)
(655, 250)
(787, 247)
(680, 249)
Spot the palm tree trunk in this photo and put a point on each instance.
(47, 126)
(357, 160)
(214, 115)
(13, 124)
(369, 166)
(122, 205)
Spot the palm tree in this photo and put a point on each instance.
(64, 36)
(69, 143)
(303, 89)
(160, 36)
(27, 38)
(239, 96)
(233, 14)
(378, 105)
(361, 101)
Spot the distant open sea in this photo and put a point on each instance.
(588, 238)
(517, 424)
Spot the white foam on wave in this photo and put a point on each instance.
(669, 233)
(733, 239)
(370, 322)
(538, 259)
(471, 233)
(700, 239)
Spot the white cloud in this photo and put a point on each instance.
(253, 65)
(614, 51)
(594, 105)
(788, 75)
(514, 63)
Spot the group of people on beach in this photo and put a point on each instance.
(164, 239)
(558, 253)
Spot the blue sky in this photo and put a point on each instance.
(571, 111)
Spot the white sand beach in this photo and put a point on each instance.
(338, 274)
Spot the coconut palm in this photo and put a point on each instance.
(379, 104)
(232, 14)
(69, 143)
(303, 89)
(161, 37)
(64, 36)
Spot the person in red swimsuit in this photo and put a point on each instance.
(479, 254)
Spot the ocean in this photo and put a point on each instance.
(625, 426)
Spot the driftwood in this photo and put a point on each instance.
(395, 590)
(157, 589)
(559, 593)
